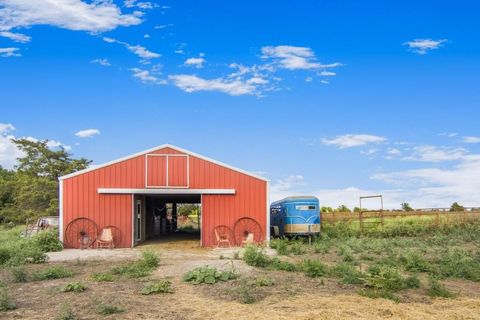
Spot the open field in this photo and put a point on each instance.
(415, 272)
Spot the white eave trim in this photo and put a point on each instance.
(164, 191)
(161, 147)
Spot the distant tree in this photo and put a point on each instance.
(406, 206)
(358, 209)
(343, 208)
(187, 209)
(456, 207)
(326, 209)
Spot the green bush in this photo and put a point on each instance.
(255, 256)
(347, 273)
(19, 274)
(160, 286)
(281, 245)
(263, 282)
(457, 263)
(278, 264)
(54, 272)
(297, 247)
(74, 287)
(382, 277)
(47, 241)
(412, 282)
(208, 275)
(314, 268)
(414, 262)
(108, 309)
(139, 268)
(322, 246)
(5, 301)
(150, 259)
(436, 289)
(103, 277)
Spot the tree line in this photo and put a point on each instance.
(455, 207)
(30, 190)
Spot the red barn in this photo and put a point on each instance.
(126, 194)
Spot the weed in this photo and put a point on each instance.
(74, 287)
(281, 245)
(346, 253)
(263, 282)
(19, 274)
(139, 268)
(378, 293)
(207, 275)
(245, 294)
(297, 247)
(436, 289)
(314, 268)
(412, 282)
(54, 272)
(5, 301)
(236, 255)
(108, 309)
(347, 273)
(160, 286)
(322, 246)
(150, 259)
(47, 241)
(103, 277)
(457, 263)
(382, 277)
(255, 256)
(66, 313)
(413, 262)
(278, 264)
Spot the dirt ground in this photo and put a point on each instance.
(292, 295)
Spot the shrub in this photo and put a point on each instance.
(139, 268)
(436, 289)
(55, 272)
(278, 264)
(346, 253)
(74, 287)
(382, 277)
(413, 262)
(103, 277)
(314, 268)
(150, 259)
(19, 274)
(297, 247)
(207, 275)
(66, 313)
(160, 286)
(281, 245)
(47, 241)
(5, 301)
(255, 256)
(107, 309)
(412, 282)
(263, 282)
(245, 294)
(322, 246)
(457, 263)
(347, 273)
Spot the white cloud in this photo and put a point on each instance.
(294, 58)
(436, 154)
(140, 51)
(138, 4)
(233, 87)
(8, 150)
(92, 16)
(17, 37)
(394, 152)
(87, 133)
(327, 73)
(471, 139)
(308, 79)
(146, 76)
(146, 36)
(352, 140)
(288, 186)
(53, 144)
(422, 46)
(195, 62)
(103, 62)
(6, 128)
(9, 52)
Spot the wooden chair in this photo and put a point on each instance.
(222, 238)
(249, 239)
(106, 239)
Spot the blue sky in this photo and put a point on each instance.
(336, 99)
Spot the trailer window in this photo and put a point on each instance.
(305, 207)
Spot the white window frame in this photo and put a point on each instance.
(167, 156)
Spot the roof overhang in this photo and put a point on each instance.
(164, 191)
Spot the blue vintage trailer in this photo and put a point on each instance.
(295, 216)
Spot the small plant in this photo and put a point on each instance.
(245, 294)
(74, 287)
(414, 262)
(298, 248)
(150, 259)
(412, 282)
(347, 273)
(207, 275)
(322, 246)
(47, 241)
(5, 301)
(281, 245)
(160, 286)
(437, 289)
(103, 277)
(55, 272)
(108, 309)
(263, 282)
(382, 277)
(139, 268)
(19, 274)
(255, 256)
(66, 313)
(278, 264)
(314, 268)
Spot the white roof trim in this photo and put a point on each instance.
(165, 191)
(161, 147)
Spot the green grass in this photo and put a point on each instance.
(314, 268)
(159, 286)
(53, 272)
(378, 293)
(6, 303)
(263, 282)
(103, 277)
(19, 274)
(74, 287)
(139, 268)
(436, 289)
(66, 313)
(255, 256)
(108, 309)
(347, 273)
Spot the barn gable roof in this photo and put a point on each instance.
(155, 149)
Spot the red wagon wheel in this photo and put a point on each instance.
(116, 234)
(81, 233)
(247, 230)
(223, 235)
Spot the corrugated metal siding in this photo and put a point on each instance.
(81, 199)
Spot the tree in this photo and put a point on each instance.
(406, 206)
(41, 161)
(358, 209)
(456, 207)
(326, 209)
(343, 208)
